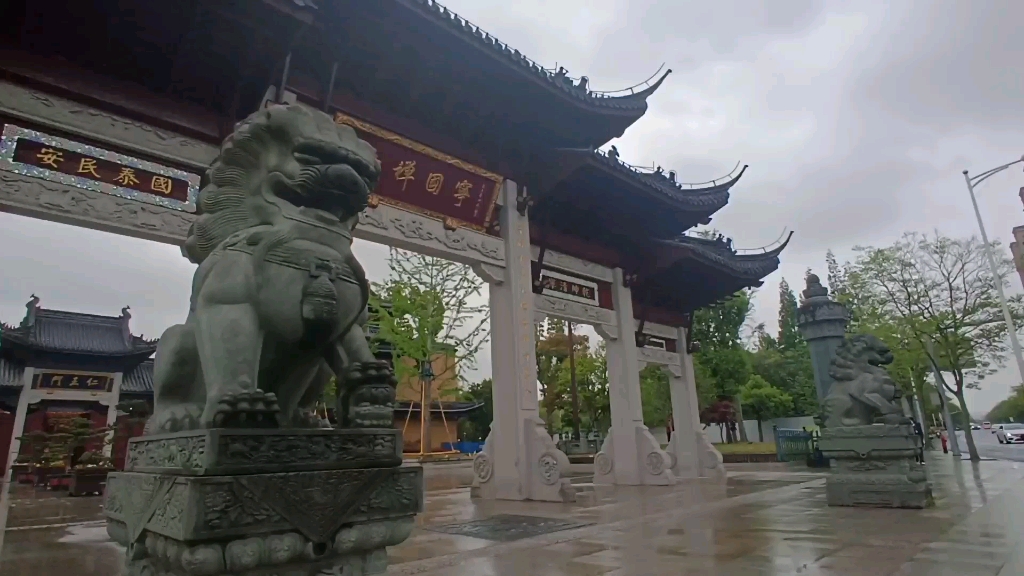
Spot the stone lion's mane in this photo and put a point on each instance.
(854, 355)
(227, 188)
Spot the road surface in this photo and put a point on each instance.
(989, 447)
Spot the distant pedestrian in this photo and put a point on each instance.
(920, 434)
(945, 442)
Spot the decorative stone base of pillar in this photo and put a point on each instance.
(654, 464)
(686, 459)
(875, 466)
(710, 458)
(262, 502)
(545, 480)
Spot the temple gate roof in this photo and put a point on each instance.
(76, 333)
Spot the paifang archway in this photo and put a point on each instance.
(468, 109)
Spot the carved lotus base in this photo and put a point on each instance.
(294, 523)
(875, 466)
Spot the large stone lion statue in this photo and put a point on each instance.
(862, 389)
(278, 300)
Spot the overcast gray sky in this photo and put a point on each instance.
(857, 119)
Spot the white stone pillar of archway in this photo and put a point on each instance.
(630, 454)
(694, 454)
(519, 461)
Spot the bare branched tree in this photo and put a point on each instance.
(940, 289)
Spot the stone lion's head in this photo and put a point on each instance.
(282, 159)
(855, 352)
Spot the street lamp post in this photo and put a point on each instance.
(1007, 317)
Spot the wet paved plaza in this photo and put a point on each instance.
(766, 520)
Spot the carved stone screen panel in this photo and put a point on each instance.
(39, 155)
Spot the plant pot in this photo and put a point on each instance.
(43, 473)
(85, 481)
(21, 473)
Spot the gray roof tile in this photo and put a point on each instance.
(60, 331)
(139, 380)
(10, 373)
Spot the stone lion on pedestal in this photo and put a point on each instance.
(279, 300)
(862, 389)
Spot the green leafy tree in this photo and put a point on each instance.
(552, 353)
(429, 306)
(790, 372)
(718, 329)
(940, 290)
(477, 425)
(1009, 410)
(592, 382)
(764, 401)
(655, 395)
(789, 335)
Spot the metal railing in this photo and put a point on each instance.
(792, 445)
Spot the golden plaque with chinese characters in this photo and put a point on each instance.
(420, 179)
(72, 381)
(32, 153)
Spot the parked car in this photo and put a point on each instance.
(1010, 433)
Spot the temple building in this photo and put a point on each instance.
(56, 364)
(82, 365)
(488, 159)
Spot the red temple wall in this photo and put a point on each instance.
(6, 435)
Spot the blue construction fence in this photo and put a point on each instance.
(463, 447)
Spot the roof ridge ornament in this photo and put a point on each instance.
(30, 311)
(632, 98)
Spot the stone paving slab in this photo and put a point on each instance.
(763, 522)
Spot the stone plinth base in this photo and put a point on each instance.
(654, 465)
(178, 513)
(542, 475)
(705, 461)
(875, 466)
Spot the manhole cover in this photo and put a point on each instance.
(507, 527)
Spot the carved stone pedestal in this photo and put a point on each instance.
(543, 475)
(706, 461)
(262, 502)
(875, 466)
(653, 464)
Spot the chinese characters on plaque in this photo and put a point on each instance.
(72, 163)
(70, 381)
(569, 288)
(428, 182)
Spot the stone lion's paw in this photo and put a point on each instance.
(251, 409)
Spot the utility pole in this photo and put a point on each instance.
(996, 278)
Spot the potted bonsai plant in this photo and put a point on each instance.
(56, 457)
(38, 456)
(89, 474)
(83, 451)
